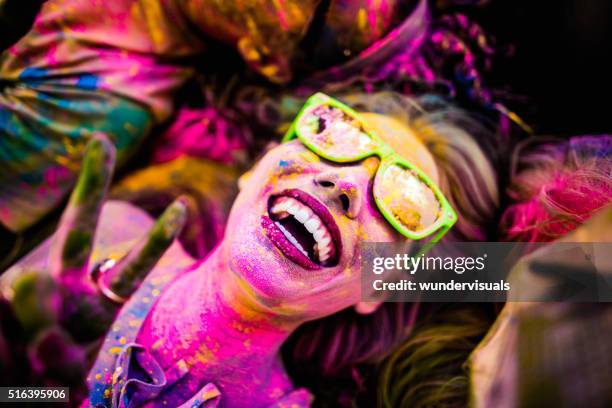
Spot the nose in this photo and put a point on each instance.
(342, 190)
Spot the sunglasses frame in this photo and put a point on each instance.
(388, 157)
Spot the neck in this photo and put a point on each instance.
(209, 319)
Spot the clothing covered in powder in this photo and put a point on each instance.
(126, 374)
(85, 66)
(115, 67)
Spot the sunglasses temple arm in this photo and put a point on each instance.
(290, 134)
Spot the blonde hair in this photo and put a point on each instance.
(461, 147)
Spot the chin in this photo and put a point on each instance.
(279, 282)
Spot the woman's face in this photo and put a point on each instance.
(295, 229)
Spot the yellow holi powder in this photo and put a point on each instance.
(153, 16)
(63, 161)
(135, 11)
(409, 217)
(252, 29)
(250, 54)
(155, 292)
(310, 157)
(352, 189)
(361, 234)
(208, 394)
(115, 350)
(122, 340)
(157, 345)
(269, 70)
(182, 366)
(239, 327)
(246, 288)
(371, 165)
(362, 19)
(203, 355)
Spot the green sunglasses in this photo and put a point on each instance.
(405, 196)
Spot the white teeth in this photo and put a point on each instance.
(322, 252)
(280, 210)
(280, 207)
(302, 215)
(292, 208)
(319, 234)
(312, 224)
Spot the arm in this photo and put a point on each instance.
(62, 292)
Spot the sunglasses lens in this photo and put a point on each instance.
(334, 132)
(405, 195)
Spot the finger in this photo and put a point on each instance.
(75, 233)
(127, 274)
(35, 302)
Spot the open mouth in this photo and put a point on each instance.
(303, 229)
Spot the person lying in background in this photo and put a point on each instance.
(560, 190)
